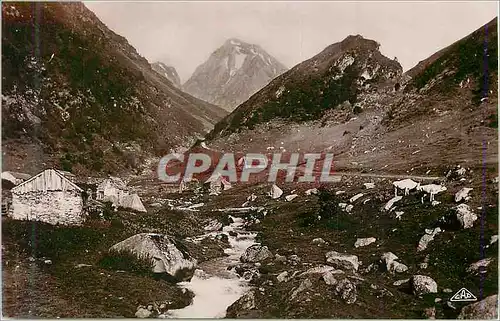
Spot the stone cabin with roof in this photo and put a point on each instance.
(48, 197)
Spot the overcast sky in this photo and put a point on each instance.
(184, 34)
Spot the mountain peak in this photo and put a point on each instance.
(233, 73)
(168, 72)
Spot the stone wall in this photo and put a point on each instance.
(53, 207)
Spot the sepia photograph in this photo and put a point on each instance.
(249, 159)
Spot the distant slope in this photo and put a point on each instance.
(233, 73)
(76, 95)
(355, 103)
(168, 72)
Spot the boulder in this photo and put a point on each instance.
(167, 254)
(422, 284)
(256, 253)
(364, 241)
(465, 216)
(482, 310)
(275, 192)
(304, 285)
(290, 197)
(342, 261)
(463, 194)
(479, 266)
(311, 191)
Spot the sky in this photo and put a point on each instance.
(184, 34)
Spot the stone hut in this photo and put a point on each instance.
(48, 197)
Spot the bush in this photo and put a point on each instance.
(126, 261)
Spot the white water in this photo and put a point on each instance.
(217, 288)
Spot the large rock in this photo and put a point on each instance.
(342, 261)
(275, 192)
(463, 194)
(166, 254)
(256, 253)
(482, 310)
(422, 284)
(465, 216)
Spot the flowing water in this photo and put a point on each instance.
(214, 286)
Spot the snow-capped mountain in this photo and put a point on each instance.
(233, 73)
(168, 72)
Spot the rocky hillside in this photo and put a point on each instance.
(168, 72)
(356, 103)
(233, 73)
(75, 95)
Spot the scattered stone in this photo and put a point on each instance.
(463, 194)
(283, 276)
(311, 191)
(364, 241)
(465, 216)
(479, 266)
(342, 261)
(349, 208)
(355, 197)
(275, 192)
(423, 265)
(401, 282)
(391, 264)
(447, 290)
(366, 200)
(329, 278)
(280, 258)
(252, 198)
(430, 313)
(306, 284)
(422, 284)
(342, 205)
(82, 265)
(399, 214)
(143, 313)
(47, 262)
(494, 239)
(437, 300)
(294, 259)
(482, 310)
(291, 197)
(347, 290)
(322, 269)
(318, 241)
(339, 192)
(391, 202)
(369, 185)
(434, 203)
(255, 253)
(427, 238)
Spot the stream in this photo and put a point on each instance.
(215, 287)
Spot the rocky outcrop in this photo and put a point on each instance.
(256, 253)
